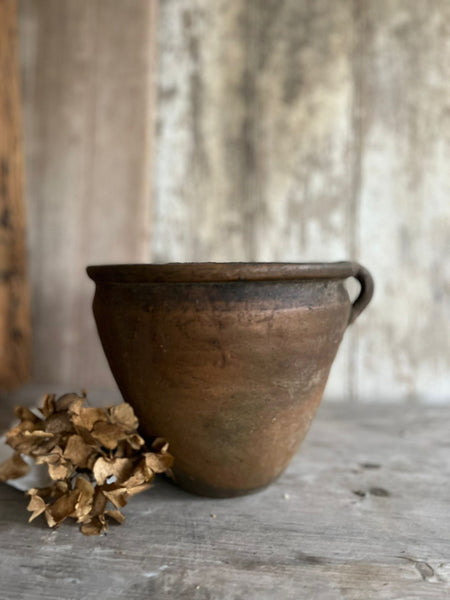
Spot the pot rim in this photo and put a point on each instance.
(215, 272)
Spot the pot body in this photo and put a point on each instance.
(229, 371)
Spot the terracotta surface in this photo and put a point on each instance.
(228, 361)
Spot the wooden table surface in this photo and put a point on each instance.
(362, 512)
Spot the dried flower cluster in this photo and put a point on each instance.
(94, 456)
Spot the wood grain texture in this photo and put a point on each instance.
(255, 117)
(403, 224)
(15, 343)
(360, 513)
(87, 69)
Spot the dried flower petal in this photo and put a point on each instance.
(141, 474)
(48, 405)
(120, 468)
(58, 489)
(118, 496)
(116, 515)
(132, 491)
(62, 508)
(70, 402)
(78, 452)
(61, 470)
(123, 416)
(25, 414)
(95, 526)
(107, 434)
(13, 468)
(59, 422)
(99, 503)
(87, 417)
(135, 441)
(158, 463)
(87, 437)
(123, 450)
(85, 500)
(44, 447)
(53, 456)
(26, 442)
(36, 506)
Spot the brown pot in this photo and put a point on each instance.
(228, 362)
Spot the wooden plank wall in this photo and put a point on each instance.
(87, 68)
(15, 345)
(294, 131)
(404, 198)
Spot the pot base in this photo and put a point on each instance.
(201, 488)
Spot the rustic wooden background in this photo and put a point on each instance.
(15, 346)
(243, 130)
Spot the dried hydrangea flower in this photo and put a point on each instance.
(13, 468)
(95, 457)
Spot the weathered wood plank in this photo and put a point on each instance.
(87, 96)
(198, 205)
(255, 116)
(403, 229)
(360, 513)
(15, 343)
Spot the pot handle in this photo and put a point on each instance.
(366, 292)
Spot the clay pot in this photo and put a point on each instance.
(228, 361)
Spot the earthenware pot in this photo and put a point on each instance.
(227, 361)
